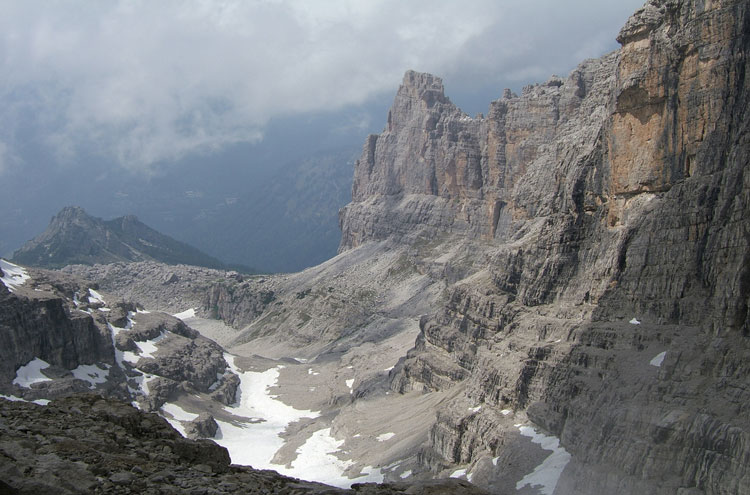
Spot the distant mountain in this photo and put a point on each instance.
(75, 237)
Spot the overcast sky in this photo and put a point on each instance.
(147, 82)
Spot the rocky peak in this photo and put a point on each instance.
(73, 236)
(643, 21)
(70, 216)
(422, 87)
(436, 170)
(72, 213)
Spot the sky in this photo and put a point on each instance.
(143, 85)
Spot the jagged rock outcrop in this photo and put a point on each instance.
(39, 324)
(204, 426)
(237, 303)
(162, 287)
(609, 213)
(86, 343)
(75, 237)
(436, 171)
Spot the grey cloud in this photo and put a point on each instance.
(143, 82)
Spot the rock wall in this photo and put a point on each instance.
(611, 208)
(43, 326)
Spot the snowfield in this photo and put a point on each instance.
(31, 373)
(545, 476)
(259, 418)
(91, 373)
(188, 313)
(13, 275)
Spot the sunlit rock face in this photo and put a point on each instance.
(607, 219)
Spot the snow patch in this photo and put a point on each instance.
(148, 347)
(13, 275)
(475, 409)
(95, 297)
(545, 475)
(178, 415)
(188, 313)
(385, 436)
(253, 437)
(494, 460)
(405, 474)
(658, 359)
(349, 384)
(31, 373)
(13, 398)
(91, 373)
(505, 412)
(634, 322)
(316, 460)
(458, 473)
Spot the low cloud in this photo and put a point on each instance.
(143, 82)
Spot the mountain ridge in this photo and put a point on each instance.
(75, 237)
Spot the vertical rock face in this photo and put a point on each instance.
(436, 170)
(43, 327)
(611, 212)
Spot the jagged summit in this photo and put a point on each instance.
(422, 86)
(73, 236)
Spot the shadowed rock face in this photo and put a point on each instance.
(619, 192)
(43, 326)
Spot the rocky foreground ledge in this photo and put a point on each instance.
(89, 444)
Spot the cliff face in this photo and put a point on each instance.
(439, 171)
(610, 212)
(42, 326)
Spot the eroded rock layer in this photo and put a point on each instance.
(609, 212)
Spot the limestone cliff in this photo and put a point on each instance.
(39, 324)
(608, 215)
